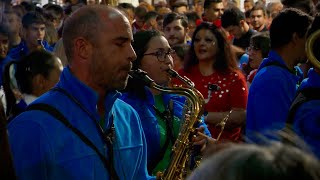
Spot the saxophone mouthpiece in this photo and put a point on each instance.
(172, 73)
(142, 76)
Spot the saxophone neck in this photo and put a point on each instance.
(173, 74)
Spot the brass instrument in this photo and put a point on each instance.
(182, 148)
(309, 49)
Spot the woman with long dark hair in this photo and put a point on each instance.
(211, 61)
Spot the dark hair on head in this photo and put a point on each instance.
(247, 13)
(151, 15)
(283, 27)
(261, 40)
(181, 50)
(207, 3)
(276, 161)
(225, 59)
(250, 1)
(140, 12)
(4, 31)
(140, 45)
(232, 17)
(304, 5)
(315, 26)
(28, 6)
(260, 7)
(33, 17)
(19, 10)
(192, 17)
(37, 62)
(55, 11)
(169, 18)
(126, 6)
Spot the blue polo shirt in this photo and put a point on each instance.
(307, 117)
(43, 148)
(270, 96)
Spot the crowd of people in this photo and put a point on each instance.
(71, 107)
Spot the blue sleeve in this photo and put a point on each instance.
(31, 150)
(306, 124)
(142, 170)
(268, 105)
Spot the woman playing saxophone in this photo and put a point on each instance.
(160, 113)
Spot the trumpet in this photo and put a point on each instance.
(309, 49)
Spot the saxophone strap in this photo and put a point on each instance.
(166, 115)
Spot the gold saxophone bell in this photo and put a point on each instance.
(309, 49)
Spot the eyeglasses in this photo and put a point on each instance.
(162, 55)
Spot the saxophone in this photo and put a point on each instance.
(182, 148)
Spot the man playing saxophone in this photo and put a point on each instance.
(160, 113)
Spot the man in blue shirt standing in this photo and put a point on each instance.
(103, 138)
(274, 87)
(304, 113)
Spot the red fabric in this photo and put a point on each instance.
(216, 22)
(251, 75)
(233, 94)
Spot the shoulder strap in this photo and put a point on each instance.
(303, 96)
(276, 63)
(153, 164)
(59, 116)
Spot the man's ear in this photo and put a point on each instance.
(82, 48)
(38, 84)
(295, 38)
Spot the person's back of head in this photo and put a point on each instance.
(232, 17)
(33, 17)
(288, 22)
(251, 162)
(88, 24)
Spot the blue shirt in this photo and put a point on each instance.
(307, 117)
(43, 148)
(270, 96)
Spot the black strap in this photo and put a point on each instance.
(276, 63)
(304, 95)
(59, 116)
(165, 116)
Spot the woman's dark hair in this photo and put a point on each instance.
(261, 41)
(225, 59)
(37, 62)
(140, 46)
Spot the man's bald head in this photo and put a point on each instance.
(89, 22)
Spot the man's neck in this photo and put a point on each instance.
(287, 57)
(261, 28)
